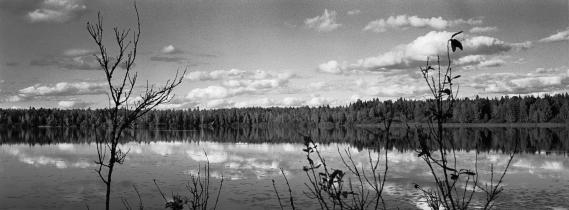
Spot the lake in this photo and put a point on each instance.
(49, 168)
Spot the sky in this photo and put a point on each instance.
(264, 53)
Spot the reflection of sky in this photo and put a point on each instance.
(60, 156)
(249, 168)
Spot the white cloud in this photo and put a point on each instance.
(58, 11)
(78, 52)
(292, 101)
(59, 89)
(313, 100)
(170, 49)
(317, 100)
(168, 54)
(490, 45)
(14, 98)
(431, 44)
(216, 75)
(255, 84)
(233, 83)
(325, 23)
(518, 83)
(496, 62)
(557, 37)
(479, 61)
(175, 104)
(556, 70)
(470, 59)
(354, 12)
(219, 103)
(330, 67)
(210, 92)
(235, 74)
(483, 29)
(404, 21)
(65, 88)
(232, 88)
(535, 82)
(236, 82)
(74, 104)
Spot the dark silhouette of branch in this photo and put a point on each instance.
(122, 85)
(291, 199)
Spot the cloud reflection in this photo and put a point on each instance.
(46, 160)
(258, 163)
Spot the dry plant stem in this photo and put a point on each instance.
(160, 191)
(437, 91)
(139, 198)
(199, 188)
(291, 199)
(127, 204)
(441, 87)
(493, 191)
(218, 193)
(327, 185)
(278, 196)
(198, 191)
(315, 190)
(122, 84)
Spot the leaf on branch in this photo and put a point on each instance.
(454, 176)
(455, 77)
(449, 80)
(446, 91)
(454, 44)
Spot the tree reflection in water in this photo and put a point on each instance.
(531, 140)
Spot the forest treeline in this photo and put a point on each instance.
(528, 109)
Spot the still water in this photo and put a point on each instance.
(54, 169)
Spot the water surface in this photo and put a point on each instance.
(54, 169)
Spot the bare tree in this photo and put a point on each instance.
(124, 109)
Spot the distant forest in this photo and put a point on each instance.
(529, 109)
